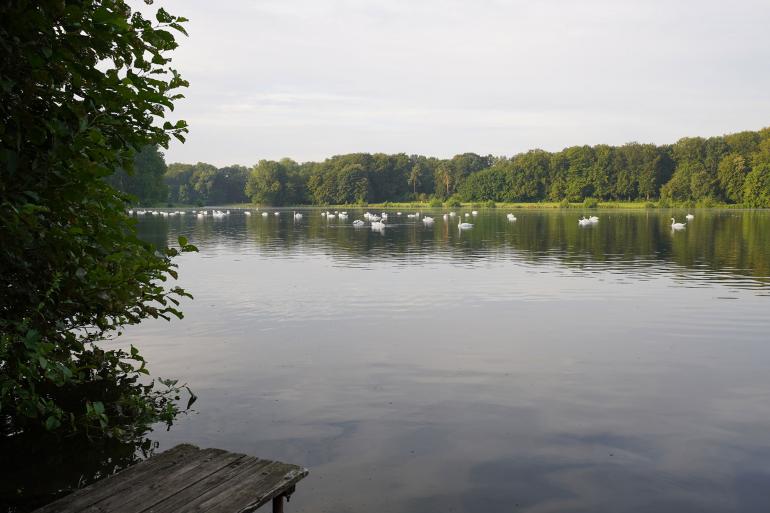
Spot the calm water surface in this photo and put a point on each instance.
(530, 366)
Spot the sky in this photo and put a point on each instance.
(308, 79)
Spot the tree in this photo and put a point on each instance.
(267, 183)
(415, 178)
(82, 85)
(756, 190)
(146, 182)
(731, 175)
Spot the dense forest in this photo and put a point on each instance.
(733, 168)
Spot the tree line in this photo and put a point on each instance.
(733, 168)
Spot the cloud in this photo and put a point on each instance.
(308, 78)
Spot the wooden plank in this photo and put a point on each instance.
(250, 492)
(156, 487)
(218, 481)
(81, 499)
(186, 479)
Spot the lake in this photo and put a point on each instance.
(534, 365)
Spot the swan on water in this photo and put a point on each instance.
(264, 214)
(247, 213)
(446, 216)
(452, 214)
(689, 217)
(465, 226)
(297, 215)
(593, 219)
(677, 226)
(474, 212)
(427, 220)
(276, 214)
(467, 214)
(511, 217)
(358, 223)
(378, 226)
(584, 221)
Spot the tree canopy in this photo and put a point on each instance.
(85, 86)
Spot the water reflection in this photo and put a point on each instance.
(526, 366)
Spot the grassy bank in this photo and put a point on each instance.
(505, 205)
(424, 205)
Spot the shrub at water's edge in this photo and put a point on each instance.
(74, 271)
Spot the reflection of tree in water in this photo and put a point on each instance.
(724, 244)
(39, 468)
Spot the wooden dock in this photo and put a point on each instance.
(187, 479)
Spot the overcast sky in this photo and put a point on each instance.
(308, 79)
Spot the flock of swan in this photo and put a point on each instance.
(376, 222)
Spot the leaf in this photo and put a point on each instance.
(52, 423)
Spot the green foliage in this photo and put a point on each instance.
(453, 202)
(435, 202)
(490, 204)
(564, 203)
(145, 181)
(689, 170)
(273, 183)
(757, 187)
(82, 84)
(590, 203)
(203, 184)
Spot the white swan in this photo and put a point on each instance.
(690, 217)
(427, 220)
(593, 219)
(276, 214)
(264, 214)
(474, 212)
(446, 216)
(247, 213)
(358, 223)
(677, 226)
(467, 214)
(452, 214)
(511, 217)
(297, 215)
(464, 226)
(378, 226)
(584, 221)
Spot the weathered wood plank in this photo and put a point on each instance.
(114, 484)
(186, 479)
(222, 480)
(246, 495)
(156, 487)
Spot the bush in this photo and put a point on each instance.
(649, 204)
(74, 272)
(707, 202)
(664, 203)
(564, 203)
(590, 203)
(490, 204)
(435, 202)
(453, 202)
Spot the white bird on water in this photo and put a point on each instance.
(584, 221)
(474, 212)
(677, 226)
(247, 213)
(511, 217)
(427, 220)
(297, 216)
(358, 223)
(264, 214)
(690, 217)
(593, 219)
(464, 226)
(378, 226)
